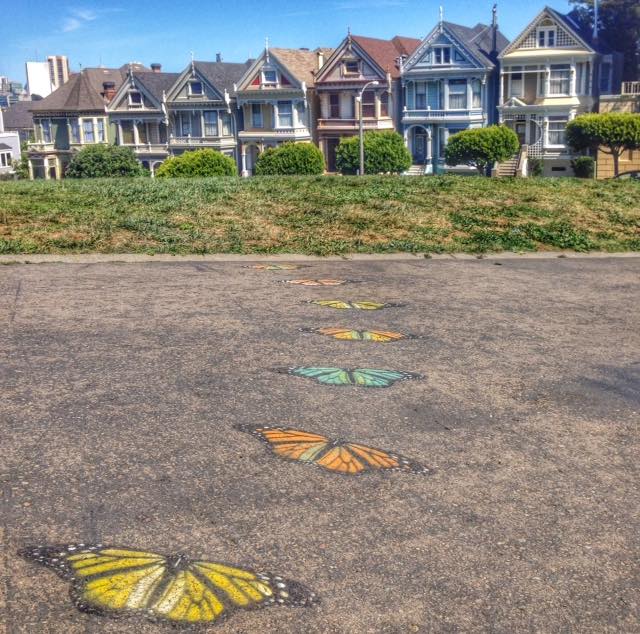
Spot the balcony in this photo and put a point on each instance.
(428, 115)
(148, 148)
(41, 146)
(199, 141)
(631, 88)
(354, 124)
(277, 134)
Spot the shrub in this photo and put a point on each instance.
(95, 161)
(482, 147)
(612, 132)
(583, 167)
(290, 159)
(536, 166)
(197, 163)
(383, 152)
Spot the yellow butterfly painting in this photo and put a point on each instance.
(348, 334)
(117, 581)
(341, 305)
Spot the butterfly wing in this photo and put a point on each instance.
(331, 303)
(377, 459)
(326, 376)
(383, 336)
(275, 267)
(344, 334)
(371, 377)
(291, 444)
(307, 282)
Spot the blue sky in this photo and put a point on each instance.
(113, 33)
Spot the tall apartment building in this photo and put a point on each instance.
(58, 70)
(38, 79)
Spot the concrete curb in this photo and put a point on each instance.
(135, 258)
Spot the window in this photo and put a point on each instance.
(557, 126)
(301, 113)
(87, 131)
(195, 88)
(269, 77)
(225, 119)
(101, 134)
(285, 114)
(384, 104)
(143, 137)
(75, 131)
(476, 93)
(256, 115)
(135, 99)
(351, 67)
(605, 78)
(559, 79)
(127, 132)
(210, 122)
(421, 95)
(5, 159)
(516, 81)
(442, 55)
(547, 37)
(185, 123)
(45, 127)
(334, 106)
(369, 104)
(457, 94)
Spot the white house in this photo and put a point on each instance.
(9, 148)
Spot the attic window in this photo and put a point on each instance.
(442, 55)
(135, 99)
(547, 37)
(351, 67)
(195, 88)
(269, 77)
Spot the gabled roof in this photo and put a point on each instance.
(479, 40)
(385, 53)
(4, 146)
(222, 75)
(301, 63)
(18, 116)
(156, 83)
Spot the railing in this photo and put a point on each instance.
(197, 140)
(465, 113)
(631, 88)
(41, 146)
(148, 148)
(257, 132)
(352, 124)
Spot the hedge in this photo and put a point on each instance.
(198, 163)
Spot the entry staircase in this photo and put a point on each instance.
(508, 168)
(415, 170)
(517, 165)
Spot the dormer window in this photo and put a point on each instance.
(547, 37)
(351, 67)
(195, 89)
(135, 99)
(269, 77)
(442, 55)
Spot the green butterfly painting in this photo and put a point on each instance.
(361, 377)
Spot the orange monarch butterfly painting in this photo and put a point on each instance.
(341, 305)
(275, 266)
(338, 456)
(115, 581)
(325, 282)
(347, 334)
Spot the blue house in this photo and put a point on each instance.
(450, 83)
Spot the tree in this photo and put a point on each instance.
(482, 147)
(100, 160)
(383, 152)
(619, 26)
(198, 163)
(290, 159)
(611, 132)
(21, 167)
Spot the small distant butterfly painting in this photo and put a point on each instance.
(337, 456)
(115, 581)
(347, 334)
(340, 305)
(276, 266)
(325, 282)
(361, 377)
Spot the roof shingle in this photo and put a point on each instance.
(386, 52)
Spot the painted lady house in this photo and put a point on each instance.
(138, 112)
(354, 64)
(201, 110)
(551, 73)
(449, 84)
(72, 117)
(276, 100)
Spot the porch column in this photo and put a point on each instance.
(429, 161)
(136, 138)
(376, 101)
(545, 131)
(243, 150)
(201, 123)
(469, 94)
(119, 132)
(58, 169)
(30, 170)
(501, 99)
(294, 113)
(572, 88)
(547, 80)
(47, 175)
(407, 141)
(446, 94)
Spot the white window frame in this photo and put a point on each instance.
(190, 89)
(74, 126)
(100, 130)
(460, 89)
(225, 123)
(268, 82)
(183, 115)
(441, 50)
(279, 114)
(545, 31)
(134, 104)
(561, 119)
(87, 120)
(349, 73)
(5, 159)
(476, 83)
(42, 131)
(256, 108)
(512, 72)
(557, 81)
(216, 116)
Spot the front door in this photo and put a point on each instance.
(420, 147)
(521, 131)
(332, 146)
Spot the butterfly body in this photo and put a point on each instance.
(337, 456)
(348, 334)
(119, 581)
(361, 377)
(341, 305)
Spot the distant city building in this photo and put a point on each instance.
(58, 70)
(9, 148)
(38, 79)
(11, 92)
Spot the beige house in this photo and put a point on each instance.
(276, 101)
(355, 63)
(551, 73)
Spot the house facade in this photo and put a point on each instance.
(551, 73)
(9, 148)
(277, 102)
(449, 85)
(139, 114)
(352, 66)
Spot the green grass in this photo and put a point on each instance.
(318, 215)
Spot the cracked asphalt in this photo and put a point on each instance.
(121, 384)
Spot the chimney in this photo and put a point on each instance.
(156, 68)
(108, 90)
(320, 59)
(218, 57)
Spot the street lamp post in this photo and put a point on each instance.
(371, 83)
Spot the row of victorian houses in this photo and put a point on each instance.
(454, 79)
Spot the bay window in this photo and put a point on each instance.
(516, 81)
(185, 123)
(225, 119)
(143, 136)
(476, 93)
(457, 94)
(210, 122)
(559, 79)
(101, 131)
(421, 95)
(368, 104)
(256, 115)
(126, 128)
(285, 114)
(334, 105)
(384, 104)
(45, 128)
(87, 131)
(556, 130)
(75, 131)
